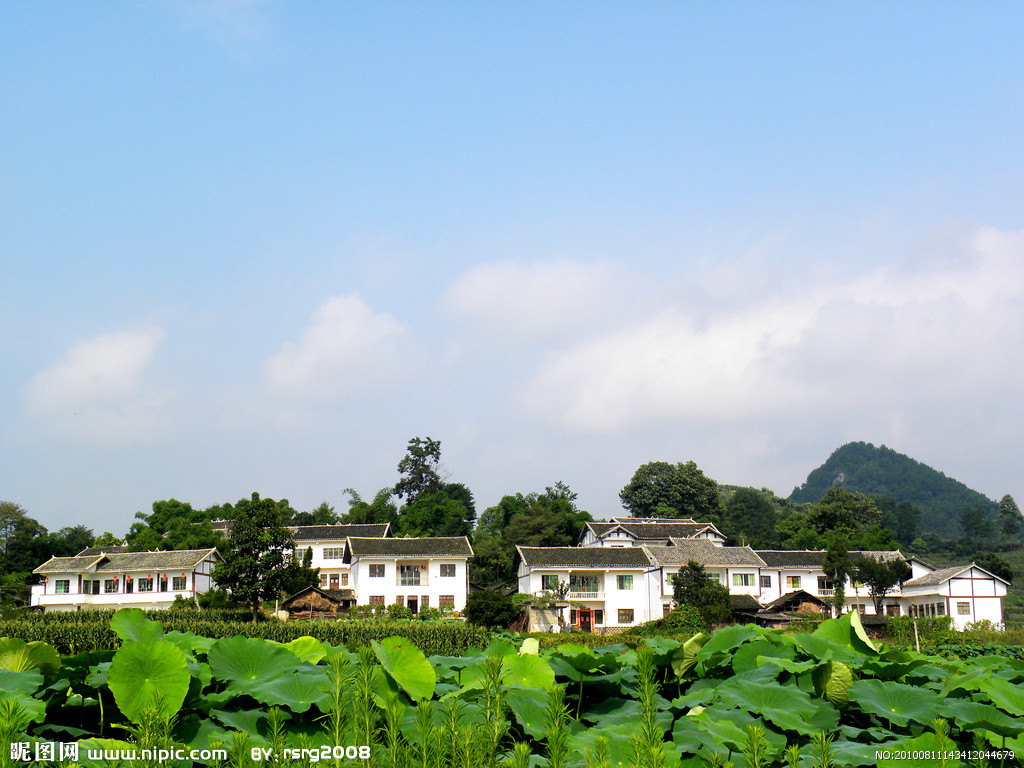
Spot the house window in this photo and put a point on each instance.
(446, 601)
(399, 599)
(377, 570)
(743, 579)
(323, 581)
(334, 553)
(424, 601)
(409, 575)
(572, 617)
(766, 582)
(549, 581)
(62, 586)
(625, 615)
(940, 609)
(963, 609)
(344, 579)
(892, 610)
(376, 599)
(824, 583)
(792, 582)
(585, 584)
(129, 585)
(624, 582)
(179, 584)
(599, 616)
(109, 585)
(146, 584)
(447, 569)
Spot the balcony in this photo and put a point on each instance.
(586, 595)
(826, 593)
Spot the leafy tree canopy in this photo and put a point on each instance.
(256, 565)
(880, 577)
(490, 608)
(420, 470)
(661, 489)
(693, 587)
(380, 510)
(994, 564)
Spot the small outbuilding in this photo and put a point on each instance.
(316, 603)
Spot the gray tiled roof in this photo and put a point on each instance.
(68, 564)
(814, 559)
(704, 552)
(172, 560)
(936, 577)
(437, 546)
(647, 530)
(339, 532)
(164, 561)
(101, 550)
(585, 557)
(653, 520)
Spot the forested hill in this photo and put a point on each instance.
(882, 471)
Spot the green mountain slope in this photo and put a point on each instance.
(882, 471)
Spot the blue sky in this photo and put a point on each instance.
(260, 245)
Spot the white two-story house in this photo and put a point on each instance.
(328, 545)
(98, 579)
(635, 532)
(607, 586)
(416, 573)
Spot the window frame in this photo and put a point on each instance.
(377, 570)
(626, 616)
(57, 584)
(447, 567)
(624, 578)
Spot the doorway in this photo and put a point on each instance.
(586, 620)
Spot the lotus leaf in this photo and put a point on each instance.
(500, 647)
(970, 715)
(1005, 695)
(747, 656)
(147, 675)
(685, 656)
(190, 642)
(530, 645)
(407, 666)
(526, 671)
(729, 728)
(18, 656)
(785, 707)
(240, 719)
(133, 624)
(832, 680)
(307, 649)
(847, 631)
(529, 705)
(723, 643)
(926, 748)
(245, 661)
(297, 690)
(857, 754)
(894, 702)
(26, 682)
(620, 742)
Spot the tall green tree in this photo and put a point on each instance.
(17, 534)
(661, 489)
(257, 563)
(380, 510)
(881, 577)
(838, 567)
(750, 518)
(692, 586)
(1008, 517)
(420, 470)
(322, 515)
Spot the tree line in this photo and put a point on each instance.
(424, 502)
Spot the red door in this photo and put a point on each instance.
(586, 619)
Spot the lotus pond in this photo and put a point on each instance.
(744, 696)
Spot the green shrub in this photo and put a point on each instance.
(684, 620)
(489, 608)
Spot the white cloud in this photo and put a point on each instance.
(894, 341)
(345, 349)
(527, 301)
(97, 392)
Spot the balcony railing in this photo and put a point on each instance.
(826, 592)
(586, 595)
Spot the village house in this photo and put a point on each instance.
(103, 578)
(645, 554)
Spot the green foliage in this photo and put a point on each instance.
(683, 620)
(491, 608)
(255, 566)
(745, 696)
(691, 586)
(995, 565)
(750, 518)
(881, 576)
(661, 489)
